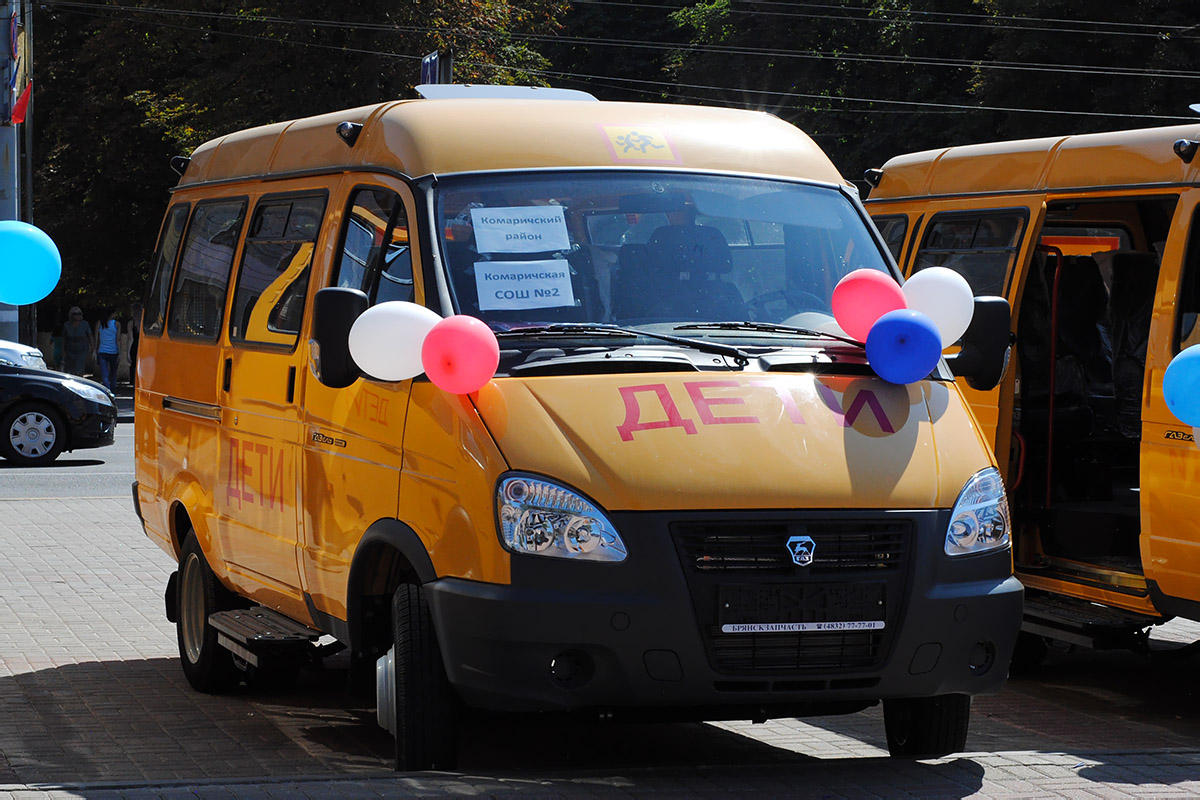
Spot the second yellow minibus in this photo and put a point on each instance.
(1095, 241)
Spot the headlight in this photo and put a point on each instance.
(88, 392)
(979, 522)
(546, 519)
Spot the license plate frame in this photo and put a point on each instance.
(801, 607)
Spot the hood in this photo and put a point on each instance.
(745, 440)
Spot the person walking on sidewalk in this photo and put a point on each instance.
(107, 334)
(77, 342)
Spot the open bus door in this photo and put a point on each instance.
(990, 242)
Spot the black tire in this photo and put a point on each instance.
(32, 434)
(208, 666)
(426, 707)
(927, 727)
(1029, 654)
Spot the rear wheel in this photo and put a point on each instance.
(208, 666)
(413, 697)
(32, 434)
(927, 727)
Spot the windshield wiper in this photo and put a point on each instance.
(767, 327)
(740, 356)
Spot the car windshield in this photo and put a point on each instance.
(654, 251)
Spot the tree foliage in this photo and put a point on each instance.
(122, 85)
(120, 91)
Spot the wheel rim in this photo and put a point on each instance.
(32, 434)
(191, 608)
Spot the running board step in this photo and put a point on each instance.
(1077, 621)
(249, 632)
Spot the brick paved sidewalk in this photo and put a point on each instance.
(93, 703)
(1002, 775)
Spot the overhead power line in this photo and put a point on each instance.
(669, 87)
(817, 55)
(984, 21)
(963, 15)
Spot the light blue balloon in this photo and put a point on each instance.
(30, 264)
(903, 346)
(1181, 386)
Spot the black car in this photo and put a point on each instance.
(43, 413)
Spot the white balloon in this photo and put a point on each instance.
(385, 341)
(945, 297)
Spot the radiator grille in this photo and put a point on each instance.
(762, 547)
(742, 571)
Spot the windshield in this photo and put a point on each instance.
(659, 251)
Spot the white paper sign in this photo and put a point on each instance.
(509, 285)
(520, 229)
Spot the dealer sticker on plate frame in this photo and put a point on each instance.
(802, 627)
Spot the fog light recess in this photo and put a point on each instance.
(983, 656)
(572, 669)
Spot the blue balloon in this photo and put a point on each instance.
(30, 264)
(903, 346)
(1181, 386)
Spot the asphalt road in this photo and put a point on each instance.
(93, 703)
(98, 472)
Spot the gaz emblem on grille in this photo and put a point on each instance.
(801, 549)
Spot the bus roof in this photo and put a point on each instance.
(420, 137)
(1084, 161)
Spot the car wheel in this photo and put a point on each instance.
(209, 668)
(32, 434)
(927, 727)
(414, 699)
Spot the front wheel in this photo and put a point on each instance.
(208, 666)
(32, 434)
(927, 727)
(414, 700)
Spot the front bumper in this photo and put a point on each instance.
(92, 425)
(646, 635)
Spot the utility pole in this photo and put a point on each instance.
(16, 55)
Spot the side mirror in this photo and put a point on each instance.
(334, 312)
(985, 345)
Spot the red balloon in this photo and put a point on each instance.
(460, 354)
(862, 297)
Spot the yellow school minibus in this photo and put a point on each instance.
(1094, 241)
(681, 494)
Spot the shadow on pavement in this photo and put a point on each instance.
(64, 461)
(131, 721)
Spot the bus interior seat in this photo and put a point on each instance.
(688, 262)
(1134, 281)
(631, 297)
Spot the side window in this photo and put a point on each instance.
(155, 304)
(376, 257)
(980, 247)
(268, 300)
(893, 230)
(1187, 332)
(198, 299)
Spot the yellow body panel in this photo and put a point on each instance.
(442, 136)
(738, 441)
(1103, 169)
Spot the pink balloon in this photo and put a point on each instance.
(862, 297)
(460, 354)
